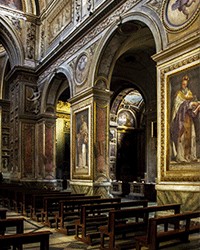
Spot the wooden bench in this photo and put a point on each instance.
(18, 240)
(10, 195)
(182, 227)
(12, 222)
(94, 215)
(51, 206)
(136, 220)
(70, 211)
(3, 212)
(26, 197)
(38, 202)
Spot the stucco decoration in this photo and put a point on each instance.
(60, 17)
(90, 35)
(81, 68)
(178, 14)
(101, 83)
(78, 10)
(155, 5)
(30, 50)
(13, 4)
(32, 100)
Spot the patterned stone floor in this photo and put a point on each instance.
(60, 241)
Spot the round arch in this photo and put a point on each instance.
(106, 55)
(55, 85)
(11, 43)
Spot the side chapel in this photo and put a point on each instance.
(103, 94)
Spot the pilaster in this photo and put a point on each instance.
(24, 107)
(89, 163)
(178, 181)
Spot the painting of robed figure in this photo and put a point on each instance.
(82, 141)
(185, 117)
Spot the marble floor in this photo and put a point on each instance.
(59, 241)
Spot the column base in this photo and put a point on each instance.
(186, 195)
(91, 188)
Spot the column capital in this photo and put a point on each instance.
(93, 92)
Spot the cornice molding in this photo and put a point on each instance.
(93, 20)
(182, 46)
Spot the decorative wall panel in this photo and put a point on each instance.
(28, 150)
(60, 17)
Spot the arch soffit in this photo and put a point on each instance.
(134, 86)
(11, 43)
(49, 91)
(153, 23)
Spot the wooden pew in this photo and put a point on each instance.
(9, 194)
(51, 207)
(182, 228)
(69, 211)
(91, 215)
(3, 212)
(12, 222)
(136, 220)
(18, 240)
(38, 203)
(27, 197)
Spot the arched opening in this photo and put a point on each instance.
(56, 104)
(127, 137)
(133, 83)
(127, 63)
(63, 136)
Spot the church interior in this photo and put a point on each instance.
(99, 124)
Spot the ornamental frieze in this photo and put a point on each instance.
(155, 5)
(59, 19)
(30, 44)
(114, 16)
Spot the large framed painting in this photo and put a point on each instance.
(180, 124)
(81, 143)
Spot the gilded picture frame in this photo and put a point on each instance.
(81, 147)
(179, 145)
